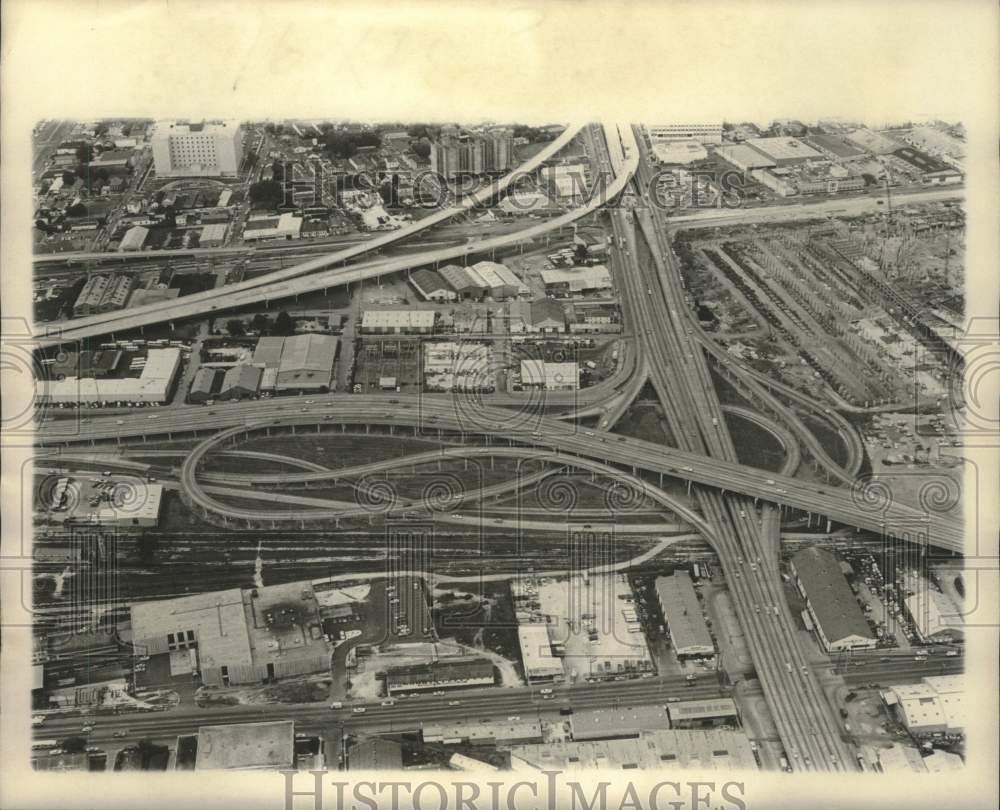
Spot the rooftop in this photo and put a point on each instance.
(246, 745)
(831, 598)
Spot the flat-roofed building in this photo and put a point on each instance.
(689, 634)
(701, 713)
(442, 674)
(398, 321)
(901, 759)
(679, 152)
(836, 615)
(213, 149)
(708, 132)
(540, 665)
(719, 750)
(240, 382)
(213, 235)
(485, 731)
(128, 503)
(282, 226)
(431, 286)
(206, 384)
(153, 385)
(247, 746)
(307, 363)
(134, 238)
(936, 705)
(550, 376)
(267, 353)
(784, 151)
(618, 722)
(744, 157)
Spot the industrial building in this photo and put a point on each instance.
(103, 293)
(724, 751)
(282, 226)
(685, 621)
(240, 382)
(153, 386)
(550, 376)
(398, 321)
(784, 151)
(206, 384)
(247, 746)
(565, 181)
(307, 363)
(488, 731)
(213, 235)
(443, 674)
(540, 664)
(679, 152)
(100, 363)
(463, 283)
(500, 280)
(830, 603)
(703, 713)
(236, 636)
(618, 722)
(576, 279)
(432, 287)
(134, 238)
(375, 754)
(123, 502)
(183, 149)
(901, 759)
(702, 133)
(936, 705)
(935, 616)
(745, 157)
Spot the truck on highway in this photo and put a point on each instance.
(784, 764)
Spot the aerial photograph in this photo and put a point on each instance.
(489, 446)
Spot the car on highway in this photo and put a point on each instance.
(438, 693)
(545, 691)
(951, 653)
(38, 719)
(388, 702)
(337, 704)
(513, 718)
(120, 733)
(87, 728)
(359, 709)
(454, 703)
(673, 700)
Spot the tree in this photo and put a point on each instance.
(77, 210)
(267, 193)
(422, 149)
(283, 324)
(68, 177)
(235, 328)
(261, 324)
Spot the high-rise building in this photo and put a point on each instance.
(456, 154)
(500, 150)
(206, 149)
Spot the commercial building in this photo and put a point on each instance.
(936, 705)
(282, 226)
(540, 664)
(710, 132)
(486, 731)
(432, 287)
(703, 713)
(784, 151)
(398, 321)
(124, 502)
(375, 754)
(778, 184)
(444, 674)
(240, 382)
(935, 616)
(231, 637)
(462, 282)
(689, 634)
(307, 363)
(197, 149)
(836, 615)
(550, 376)
(153, 386)
(724, 751)
(247, 746)
(576, 279)
(744, 157)
(679, 152)
(831, 185)
(134, 238)
(619, 722)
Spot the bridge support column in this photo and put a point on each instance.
(829, 525)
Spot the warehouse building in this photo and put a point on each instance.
(830, 603)
(153, 386)
(283, 226)
(213, 235)
(576, 279)
(375, 754)
(500, 280)
(134, 238)
(784, 151)
(547, 316)
(124, 502)
(398, 321)
(307, 363)
(100, 363)
(432, 287)
(88, 302)
(206, 384)
(745, 158)
(618, 723)
(703, 713)
(936, 705)
(689, 634)
(935, 616)
(444, 674)
(462, 282)
(485, 731)
(540, 665)
(240, 382)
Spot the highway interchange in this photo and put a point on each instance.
(672, 356)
